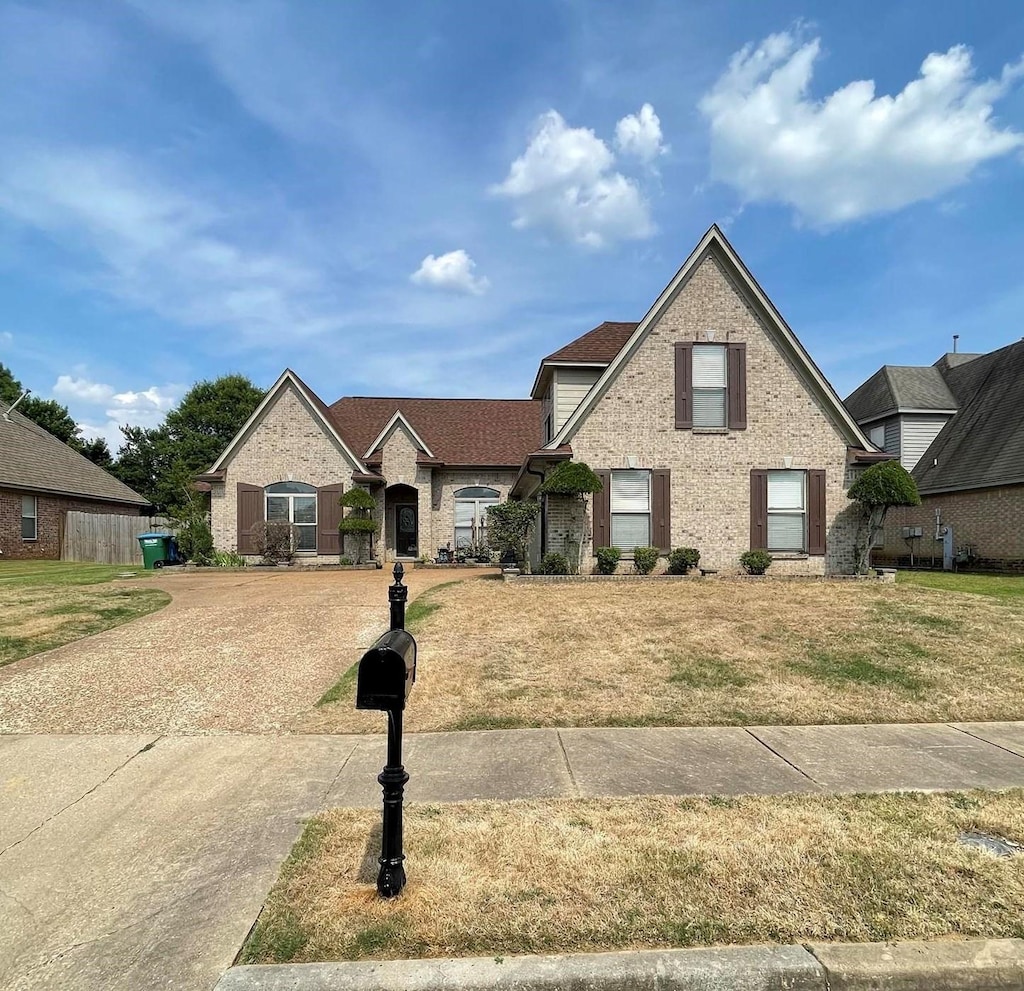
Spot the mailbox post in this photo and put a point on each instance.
(386, 675)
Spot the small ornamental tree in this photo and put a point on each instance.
(359, 522)
(509, 525)
(879, 488)
(574, 480)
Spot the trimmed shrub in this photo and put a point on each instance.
(345, 561)
(682, 559)
(644, 559)
(755, 562)
(554, 564)
(607, 559)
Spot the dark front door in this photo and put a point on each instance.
(406, 531)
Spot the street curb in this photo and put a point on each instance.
(970, 965)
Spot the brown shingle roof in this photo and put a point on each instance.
(31, 458)
(601, 344)
(457, 431)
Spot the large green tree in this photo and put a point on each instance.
(161, 462)
(878, 489)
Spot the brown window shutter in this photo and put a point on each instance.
(684, 385)
(758, 509)
(249, 510)
(602, 510)
(661, 509)
(817, 521)
(736, 365)
(328, 516)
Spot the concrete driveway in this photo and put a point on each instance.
(237, 652)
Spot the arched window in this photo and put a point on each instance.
(471, 505)
(294, 502)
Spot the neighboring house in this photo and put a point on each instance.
(707, 420)
(41, 480)
(970, 473)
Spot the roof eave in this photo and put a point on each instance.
(542, 456)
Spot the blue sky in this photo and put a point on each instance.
(425, 198)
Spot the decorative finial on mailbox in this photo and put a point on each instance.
(398, 572)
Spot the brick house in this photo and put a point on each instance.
(41, 481)
(957, 426)
(707, 420)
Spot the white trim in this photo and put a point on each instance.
(545, 365)
(900, 410)
(288, 377)
(714, 240)
(399, 417)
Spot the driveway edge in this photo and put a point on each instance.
(970, 965)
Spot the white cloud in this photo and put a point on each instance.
(67, 387)
(853, 153)
(565, 183)
(6, 336)
(640, 135)
(184, 257)
(453, 271)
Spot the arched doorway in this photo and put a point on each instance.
(402, 524)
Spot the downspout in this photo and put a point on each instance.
(543, 514)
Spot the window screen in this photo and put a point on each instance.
(631, 509)
(787, 516)
(709, 382)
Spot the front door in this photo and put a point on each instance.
(406, 530)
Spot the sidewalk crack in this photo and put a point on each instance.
(981, 739)
(99, 784)
(568, 766)
(821, 963)
(785, 760)
(334, 780)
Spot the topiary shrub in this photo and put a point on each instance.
(682, 559)
(573, 480)
(359, 522)
(756, 562)
(878, 489)
(644, 559)
(607, 559)
(554, 564)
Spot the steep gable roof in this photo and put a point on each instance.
(318, 408)
(599, 345)
(983, 444)
(896, 388)
(714, 241)
(453, 431)
(31, 458)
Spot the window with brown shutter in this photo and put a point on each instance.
(328, 517)
(758, 509)
(602, 510)
(737, 386)
(817, 521)
(684, 389)
(661, 509)
(249, 512)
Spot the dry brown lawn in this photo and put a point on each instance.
(705, 652)
(562, 876)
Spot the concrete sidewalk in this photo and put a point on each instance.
(141, 861)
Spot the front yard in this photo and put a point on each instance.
(46, 604)
(575, 876)
(495, 655)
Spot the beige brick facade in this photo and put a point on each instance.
(710, 504)
(988, 522)
(287, 444)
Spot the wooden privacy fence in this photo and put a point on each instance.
(108, 539)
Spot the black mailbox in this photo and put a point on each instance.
(387, 672)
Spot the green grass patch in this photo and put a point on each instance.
(1000, 586)
(419, 610)
(483, 721)
(838, 667)
(25, 574)
(344, 686)
(896, 612)
(705, 672)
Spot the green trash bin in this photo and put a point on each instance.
(155, 550)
